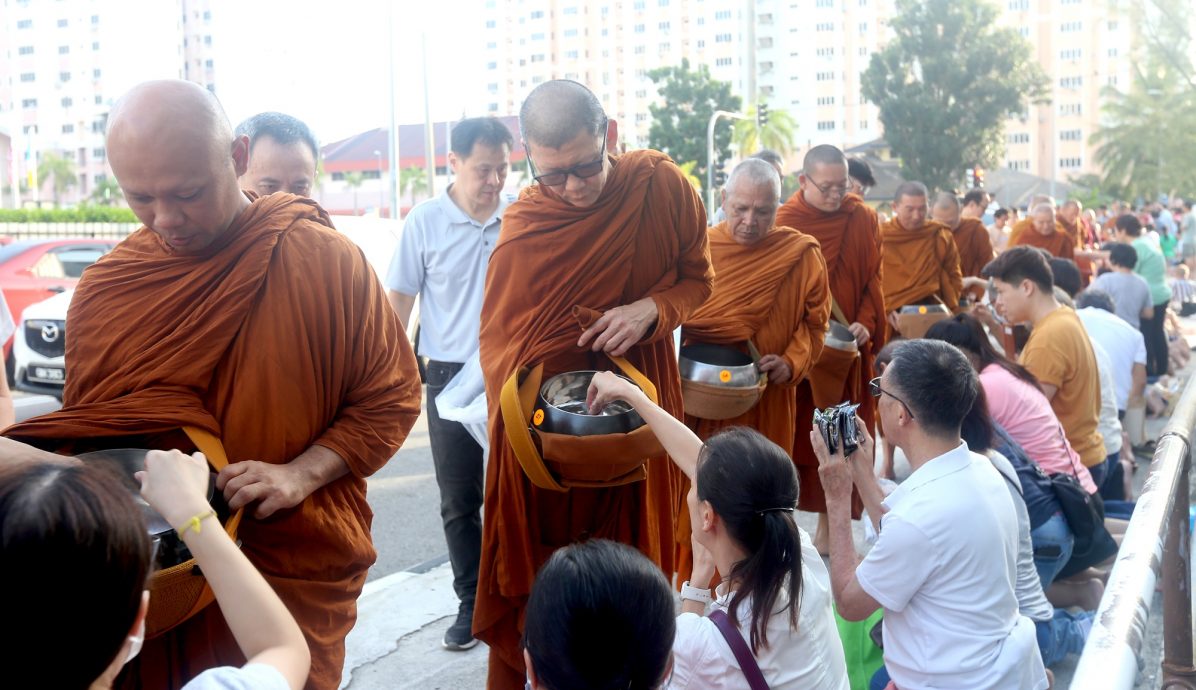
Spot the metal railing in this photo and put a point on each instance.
(54, 230)
(1157, 540)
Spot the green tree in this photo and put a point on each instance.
(107, 192)
(687, 169)
(413, 180)
(688, 98)
(780, 134)
(60, 168)
(353, 181)
(945, 85)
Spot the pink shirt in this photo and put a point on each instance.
(1024, 412)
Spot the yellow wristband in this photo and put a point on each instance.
(193, 523)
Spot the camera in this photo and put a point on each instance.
(839, 428)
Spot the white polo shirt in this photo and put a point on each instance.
(944, 568)
(1122, 342)
(442, 257)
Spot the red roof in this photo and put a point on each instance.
(357, 151)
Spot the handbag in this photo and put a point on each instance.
(739, 647)
(1085, 515)
(837, 369)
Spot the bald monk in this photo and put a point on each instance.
(920, 261)
(1046, 234)
(1070, 218)
(971, 237)
(624, 235)
(254, 320)
(1027, 222)
(770, 287)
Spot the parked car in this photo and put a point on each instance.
(39, 347)
(34, 270)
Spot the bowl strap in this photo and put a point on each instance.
(514, 402)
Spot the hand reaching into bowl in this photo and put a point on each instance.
(175, 484)
(606, 388)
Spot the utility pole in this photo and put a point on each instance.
(392, 133)
(710, 152)
(429, 136)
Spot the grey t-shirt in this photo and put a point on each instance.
(1130, 293)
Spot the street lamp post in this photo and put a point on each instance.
(710, 153)
(381, 184)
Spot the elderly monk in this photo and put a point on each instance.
(770, 287)
(1027, 221)
(971, 237)
(1045, 233)
(621, 234)
(849, 233)
(1070, 218)
(254, 320)
(921, 263)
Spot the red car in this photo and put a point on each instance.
(34, 270)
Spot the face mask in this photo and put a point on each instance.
(137, 640)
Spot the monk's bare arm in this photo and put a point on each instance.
(805, 347)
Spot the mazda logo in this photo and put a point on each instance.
(50, 333)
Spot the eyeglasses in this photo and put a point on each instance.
(829, 189)
(876, 391)
(582, 171)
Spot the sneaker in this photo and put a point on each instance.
(459, 636)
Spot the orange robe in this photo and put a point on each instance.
(645, 236)
(244, 343)
(1080, 240)
(974, 245)
(1027, 225)
(920, 264)
(850, 241)
(1058, 243)
(776, 294)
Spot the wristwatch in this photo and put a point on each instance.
(702, 596)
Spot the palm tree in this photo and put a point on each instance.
(687, 169)
(107, 192)
(353, 181)
(413, 180)
(780, 134)
(61, 168)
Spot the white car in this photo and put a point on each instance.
(40, 345)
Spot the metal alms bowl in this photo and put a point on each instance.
(718, 365)
(840, 338)
(561, 409)
(923, 309)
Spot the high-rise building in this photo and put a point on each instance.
(802, 56)
(66, 61)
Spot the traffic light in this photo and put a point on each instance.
(761, 114)
(977, 177)
(971, 173)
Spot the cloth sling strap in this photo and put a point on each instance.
(518, 433)
(213, 450)
(837, 312)
(739, 647)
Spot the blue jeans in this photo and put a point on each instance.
(1100, 471)
(1064, 634)
(1053, 543)
(1120, 509)
(879, 679)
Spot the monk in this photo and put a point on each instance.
(971, 237)
(849, 233)
(770, 287)
(1027, 222)
(253, 320)
(920, 261)
(1071, 218)
(1046, 234)
(624, 235)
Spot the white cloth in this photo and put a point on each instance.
(1123, 343)
(442, 257)
(944, 569)
(1109, 424)
(809, 658)
(1031, 600)
(247, 677)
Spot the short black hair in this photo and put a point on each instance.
(600, 615)
(1122, 254)
(861, 171)
(1021, 263)
(1001, 213)
(936, 381)
(487, 130)
(1096, 298)
(1066, 275)
(280, 127)
(1130, 224)
(974, 196)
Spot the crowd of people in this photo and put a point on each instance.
(1002, 376)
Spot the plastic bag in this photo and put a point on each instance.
(464, 400)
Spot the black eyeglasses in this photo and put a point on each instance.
(581, 172)
(877, 391)
(829, 189)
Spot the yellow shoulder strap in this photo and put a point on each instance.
(517, 433)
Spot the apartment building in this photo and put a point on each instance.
(66, 61)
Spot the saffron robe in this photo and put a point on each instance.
(920, 264)
(1058, 243)
(974, 246)
(278, 337)
(645, 236)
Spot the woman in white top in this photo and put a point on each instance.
(775, 589)
(77, 557)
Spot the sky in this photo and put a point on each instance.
(326, 61)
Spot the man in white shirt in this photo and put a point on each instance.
(283, 154)
(442, 257)
(945, 561)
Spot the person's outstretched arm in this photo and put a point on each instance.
(679, 442)
(176, 486)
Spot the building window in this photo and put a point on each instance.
(825, 52)
(95, 73)
(1070, 162)
(826, 125)
(572, 54)
(824, 26)
(722, 38)
(639, 28)
(207, 40)
(1112, 52)
(25, 50)
(1070, 109)
(701, 44)
(1070, 27)
(95, 19)
(1019, 5)
(570, 33)
(62, 23)
(67, 101)
(29, 103)
(824, 3)
(208, 64)
(1071, 135)
(571, 10)
(538, 57)
(68, 129)
(98, 153)
(864, 124)
(27, 76)
(491, 65)
(1019, 138)
(723, 62)
(490, 24)
(493, 107)
(663, 26)
(824, 76)
(722, 14)
(640, 50)
(1070, 54)
(1071, 82)
(538, 14)
(64, 76)
(95, 45)
(99, 99)
(826, 100)
(64, 50)
(25, 24)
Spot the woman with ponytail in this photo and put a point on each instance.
(770, 616)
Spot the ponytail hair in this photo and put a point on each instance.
(752, 485)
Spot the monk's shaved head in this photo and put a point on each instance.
(754, 172)
(172, 150)
(947, 209)
(557, 111)
(947, 200)
(750, 201)
(910, 189)
(823, 154)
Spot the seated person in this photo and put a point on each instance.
(600, 615)
(85, 560)
(1183, 290)
(776, 590)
